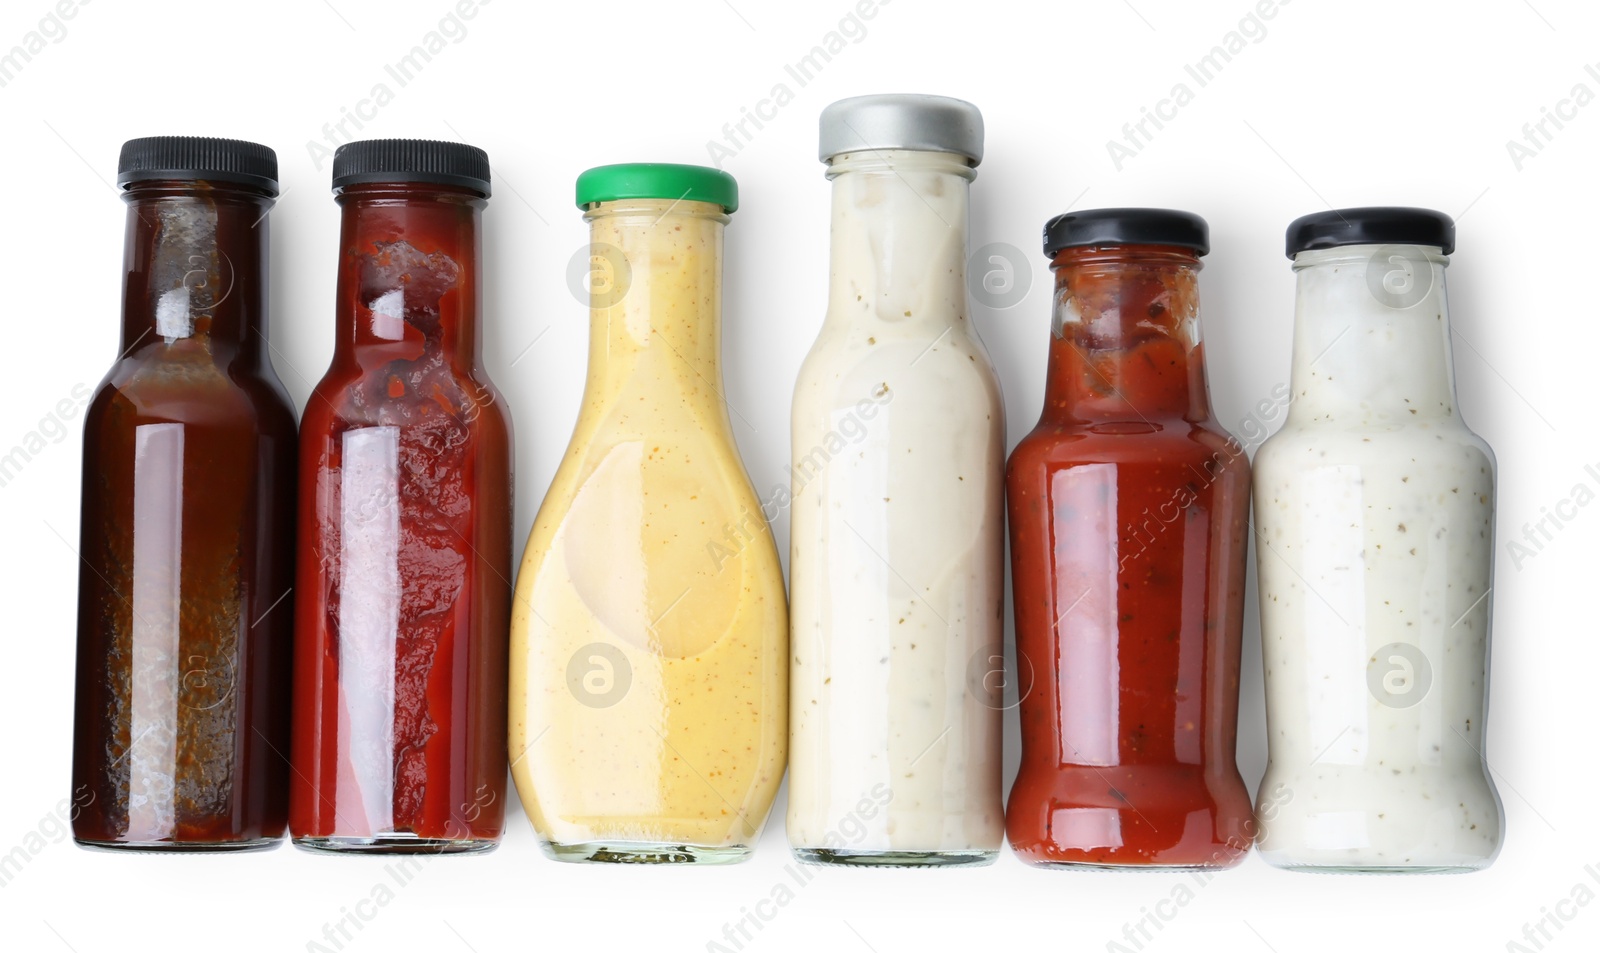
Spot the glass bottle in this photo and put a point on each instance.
(649, 633)
(405, 524)
(1129, 508)
(184, 605)
(896, 552)
(1375, 521)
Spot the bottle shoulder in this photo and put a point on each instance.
(674, 430)
(1066, 439)
(1183, 443)
(660, 490)
(1302, 444)
(843, 368)
(1302, 431)
(154, 386)
(352, 391)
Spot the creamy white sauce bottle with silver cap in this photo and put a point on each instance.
(897, 528)
(1375, 538)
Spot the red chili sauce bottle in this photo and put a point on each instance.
(405, 525)
(1128, 510)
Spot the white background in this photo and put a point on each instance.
(1355, 103)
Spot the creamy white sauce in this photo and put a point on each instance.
(896, 541)
(1375, 534)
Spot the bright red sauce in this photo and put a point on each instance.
(405, 562)
(1128, 511)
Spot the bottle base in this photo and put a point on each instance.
(394, 843)
(828, 857)
(1378, 869)
(181, 847)
(636, 852)
(1124, 868)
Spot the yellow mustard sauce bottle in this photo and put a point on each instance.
(649, 633)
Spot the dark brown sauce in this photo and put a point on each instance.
(185, 613)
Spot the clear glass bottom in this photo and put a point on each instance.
(638, 852)
(1357, 869)
(395, 843)
(1125, 868)
(181, 847)
(830, 857)
(1367, 860)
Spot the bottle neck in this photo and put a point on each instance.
(1372, 336)
(408, 274)
(195, 267)
(1125, 336)
(655, 297)
(899, 237)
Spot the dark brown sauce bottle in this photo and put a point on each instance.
(185, 614)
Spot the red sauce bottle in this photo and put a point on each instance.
(405, 525)
(184, 608)
(1128, 510)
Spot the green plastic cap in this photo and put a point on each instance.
(658, 180)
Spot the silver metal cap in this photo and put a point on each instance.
(902, 121)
